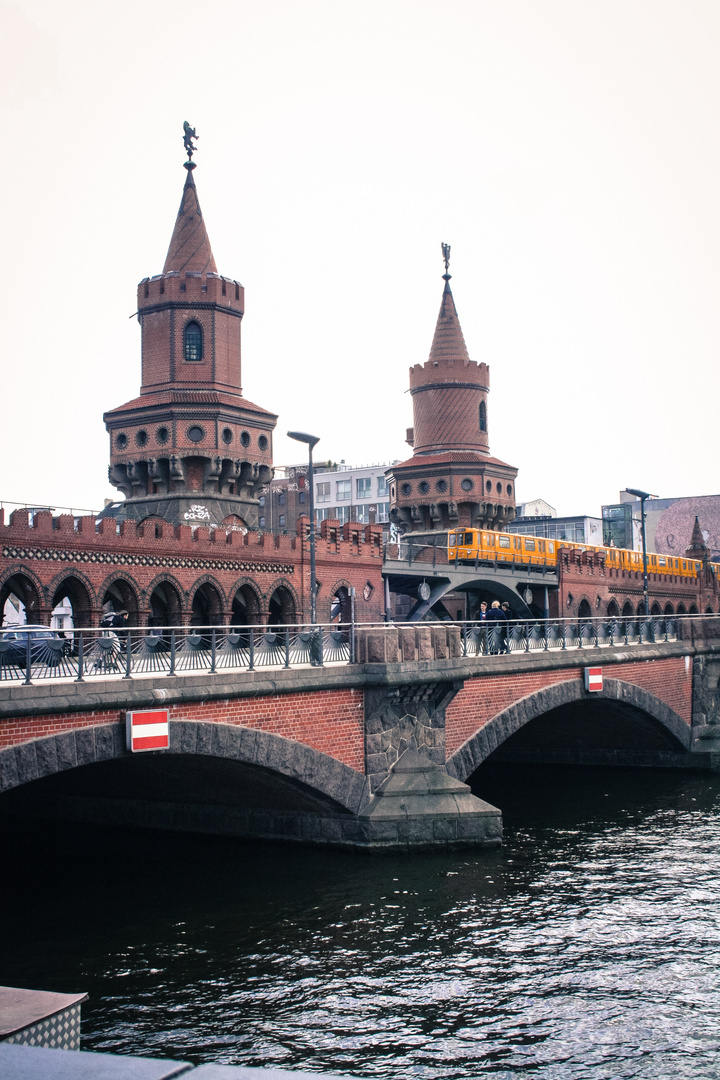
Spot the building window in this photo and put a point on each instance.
(483, 416)
(301, 496)
(342, 513)
(362, 514)
(262, 522)
(281, 521)
(281, 498)
(323, 492)
(383, 511)
(363, 488)
(193, 342)
(262, 442)
(344, 493)
(245, 438)
(261, 501)
(195, 433)
(321, 515)
(382, 485)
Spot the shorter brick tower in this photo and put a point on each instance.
(190, 449)
(451, 480)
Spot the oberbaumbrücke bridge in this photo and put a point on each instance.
(368, 741)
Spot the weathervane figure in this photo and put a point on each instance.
(188, 139)
(446, 255)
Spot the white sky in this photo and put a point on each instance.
(567, 150)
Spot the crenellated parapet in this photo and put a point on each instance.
(449, 369)
(135, 565)
(190, 287)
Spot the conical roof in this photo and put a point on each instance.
(448, 342)
(697, 548)
(190, 247)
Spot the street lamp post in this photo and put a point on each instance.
(642, 496)
(311, 440)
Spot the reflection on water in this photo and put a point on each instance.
(587, 947)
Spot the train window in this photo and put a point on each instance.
(504, 541)
(529, 544)
(541, 545)
(661, 561)
(516, 542)
(451, 540)
(489, 540)
(468, 539)
(684, 565)
(551, 547)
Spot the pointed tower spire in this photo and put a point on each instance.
(697, 548)
(448, 342)
(190, 249)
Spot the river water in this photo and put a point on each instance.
(588, 946)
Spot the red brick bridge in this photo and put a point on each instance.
(373, 753)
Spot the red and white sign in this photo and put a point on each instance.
(147, 730)
(593, 679)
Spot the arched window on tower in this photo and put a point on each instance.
(193, 342)
(483, 416)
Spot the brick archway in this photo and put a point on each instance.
(23, 584)
(477, 749)
(342, 787)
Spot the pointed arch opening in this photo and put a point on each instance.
(73, 597)
(165, 605)
(246, 609)
(282, 607)
(19, 601)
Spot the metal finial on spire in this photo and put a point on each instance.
(446, 255)
(188, 137)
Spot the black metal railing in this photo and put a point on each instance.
(85, 654)
(543, 635)
(81, 655)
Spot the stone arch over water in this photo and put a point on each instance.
(318, 780)
(663, 721)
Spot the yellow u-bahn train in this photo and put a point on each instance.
(479, 545)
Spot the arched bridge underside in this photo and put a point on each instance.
(561, 719)
(215, 776)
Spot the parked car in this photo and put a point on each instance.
(13, 645)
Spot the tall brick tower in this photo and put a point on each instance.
(190, 449)
(451, 480)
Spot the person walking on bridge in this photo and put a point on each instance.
(497, 619)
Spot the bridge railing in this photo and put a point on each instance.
(84, 654)
(37, 655)
(543, 635)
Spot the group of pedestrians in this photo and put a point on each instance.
(495, 618)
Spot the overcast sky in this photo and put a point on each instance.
(567, 150)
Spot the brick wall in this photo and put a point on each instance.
(331, 721)
(483, 698)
